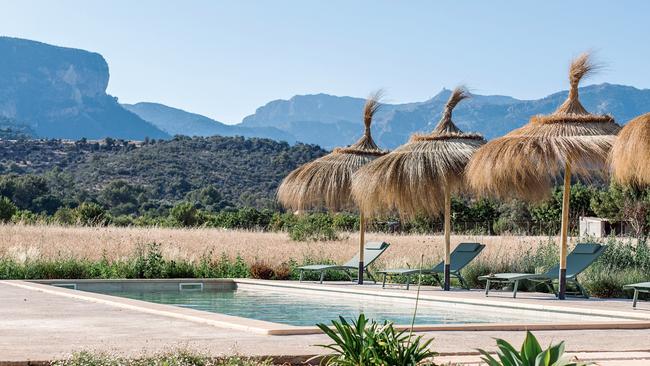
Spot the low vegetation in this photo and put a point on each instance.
(49, 252)
(180, 358)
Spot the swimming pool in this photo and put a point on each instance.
(307, 308)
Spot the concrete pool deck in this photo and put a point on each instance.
(39, 325)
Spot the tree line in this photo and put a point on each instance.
(55, 198)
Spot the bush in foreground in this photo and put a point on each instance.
(531, 354)
(366, 342)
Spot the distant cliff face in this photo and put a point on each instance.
(61, 92)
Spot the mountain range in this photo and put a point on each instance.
(58, 92)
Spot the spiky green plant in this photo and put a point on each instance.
(368, 343)
(531, 354)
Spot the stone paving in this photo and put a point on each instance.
(38, 326)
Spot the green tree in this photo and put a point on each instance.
(7, 209)
(91, 214)
(121, 198)
(65, 216)
(208, 198)
(627, 204)
(185, 214)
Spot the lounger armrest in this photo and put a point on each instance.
(511, 276)
(318, 267)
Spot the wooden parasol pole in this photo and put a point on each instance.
(362, 232)
(564, 231)
(447, 280)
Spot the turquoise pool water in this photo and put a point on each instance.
(317, 307)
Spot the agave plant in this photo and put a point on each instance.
(531, 354)
(368, 343)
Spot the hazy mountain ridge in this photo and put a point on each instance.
(491, 115)
(56, 92)
(176, 121)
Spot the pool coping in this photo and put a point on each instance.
(623, 319)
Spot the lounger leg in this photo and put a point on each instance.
(322, 275)
(408, 281)
(514, 291)
(349, 275)
(301, 273)
(487, 287)
(383, 282)
(635, 298)
(581, 289)
(549, 285)
(438, 281)
(370, 276)
(463, 283)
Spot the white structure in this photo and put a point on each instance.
(598, 228)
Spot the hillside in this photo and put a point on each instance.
(176, 121)
(243, 171)
(61, 93)
(11, 129)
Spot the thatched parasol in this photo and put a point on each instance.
(631, 153)
(419, 177)
(528, 161)
(326, 182)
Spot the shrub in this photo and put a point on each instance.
(368, 343)
(65, 216)
(282, 221)
(531, 354)
(313, 227)
(601, 282)
(91, 214)
(185, 214)
(283, 271)
(178, 358)
(262, 271)
(345, 222)
(7, 209)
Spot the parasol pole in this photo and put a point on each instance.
(564, 231)
(362, 232)
(447, 280)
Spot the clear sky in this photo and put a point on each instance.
(224, 59)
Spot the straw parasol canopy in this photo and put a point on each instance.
(419, 177)
(529, 161)
(631, 153)
(326, 182)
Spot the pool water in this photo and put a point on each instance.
(307, 309)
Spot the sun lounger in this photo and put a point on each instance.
(460, 257)
(638, 287)
(372, 251)
(582, 256)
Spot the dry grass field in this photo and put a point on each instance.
(22, 242)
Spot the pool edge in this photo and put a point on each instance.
(277, 329)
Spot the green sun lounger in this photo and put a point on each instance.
(638, 287)
(372, 251)
(582, 256)
(462, 255)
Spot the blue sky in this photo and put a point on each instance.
(224, 59)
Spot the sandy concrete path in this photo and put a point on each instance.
(42, 326)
